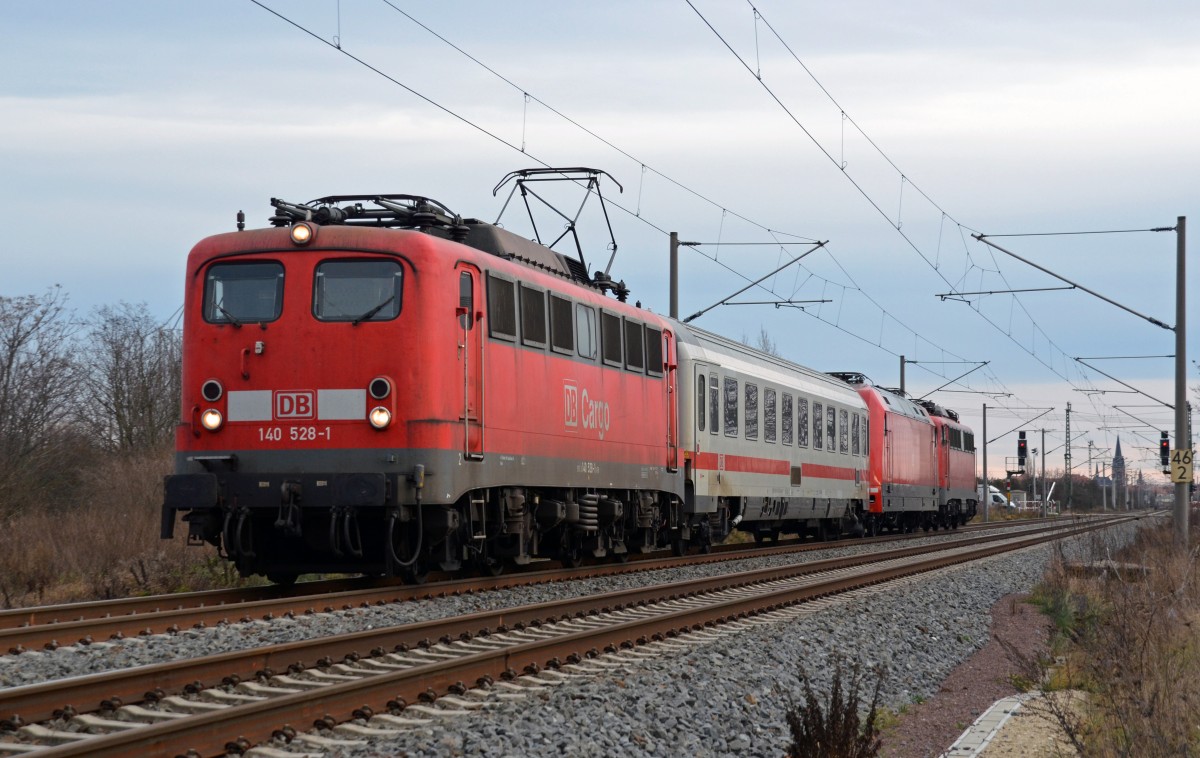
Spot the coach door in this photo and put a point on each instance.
(470, 358)
(670, 374)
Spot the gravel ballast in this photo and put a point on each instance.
(726, 697)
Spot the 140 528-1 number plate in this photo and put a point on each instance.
(294, 434)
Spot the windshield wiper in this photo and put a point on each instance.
(228, 315)
(372, 312)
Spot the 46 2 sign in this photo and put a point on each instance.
(1181, 465)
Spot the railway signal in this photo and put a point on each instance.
(1021, 450)
(1164, 451)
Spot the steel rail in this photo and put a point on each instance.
(102, 620)
(94, 692)
(212, 733)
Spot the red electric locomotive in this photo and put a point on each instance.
(374, 385)
(958, 496)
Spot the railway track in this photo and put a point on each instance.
(239, 699)
(49, 627)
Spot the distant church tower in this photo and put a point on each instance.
(1118, 477)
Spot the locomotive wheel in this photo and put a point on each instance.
(570, 558)
(679, 547)
(569, 553)
(283, 579)
(491, 566)
(418, 573)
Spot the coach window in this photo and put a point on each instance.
(502, 308)
(855, 430)
(714, 404)
(585, 331)
(830, 432)
(731, 407)
(562, 333)
(844, 431)
(533, 317)
(610, 338)
(654, 351)
(785, 416)
(701, 401)
(818, 427)
(802, 422)
(243, 292)
(751, 411)
(770, 423)
(357, 291)
(635, 351)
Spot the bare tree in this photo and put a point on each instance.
(765, 343)
(39, 440)
(133, 368)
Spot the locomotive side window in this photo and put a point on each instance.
(466, 299)
(533, 317)
(654, 351)
(241, 292)
(714, 404)
(844, 431)
(969, 441)
(635, 351)
(751, 411)
(502, 308)
(818, 427)
(610, 338)
(855, 430)
(769, 420)
(731, 407)
(785, 415)
(701, 401)
(585, 332)
(562, 333)
(357, 291)
(802, 422)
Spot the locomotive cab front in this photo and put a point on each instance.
(309, 353)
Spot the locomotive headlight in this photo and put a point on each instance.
(303, 233)
(211, 419)
(380, 417)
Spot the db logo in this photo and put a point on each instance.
(295, 404)
(570, 405)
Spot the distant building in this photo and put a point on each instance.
(1120, 484)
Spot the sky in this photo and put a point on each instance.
(891, 132)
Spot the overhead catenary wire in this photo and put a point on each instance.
(523, 148)
(1037, 329)
(643, 165)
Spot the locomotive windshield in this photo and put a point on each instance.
(240, 292)
(357, 291)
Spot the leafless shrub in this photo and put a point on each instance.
(104, 545)
(835, 729)
(1129, 641)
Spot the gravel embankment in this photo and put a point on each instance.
(728, 697)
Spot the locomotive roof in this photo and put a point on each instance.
(893, 400)
(423, 214)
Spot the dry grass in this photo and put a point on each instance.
(106, 545)
(1131, 642)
